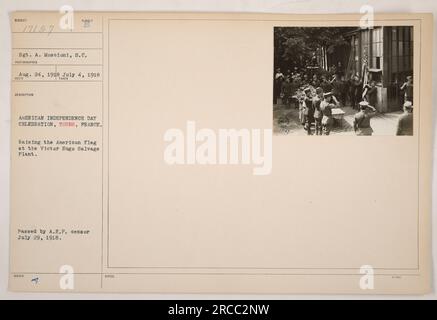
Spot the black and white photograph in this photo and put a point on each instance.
(343, 81)
(159, 150)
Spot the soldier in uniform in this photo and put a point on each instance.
(315, 81)
(325, 84)
(300, 96)
(407, 87)
(371, 93)
(337, 87)
(318, 115)
(308, 110)
(405, 122)
(362, 119)
(356, 90)
(326, 107)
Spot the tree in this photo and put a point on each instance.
(295, 46)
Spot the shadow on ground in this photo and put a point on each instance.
(286, 122)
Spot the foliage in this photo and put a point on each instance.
(295, 46)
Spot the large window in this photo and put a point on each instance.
(377, 48)
(401, 52)
(400, 58)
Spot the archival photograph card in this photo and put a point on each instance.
(220, 153)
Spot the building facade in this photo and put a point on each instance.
(385, 55)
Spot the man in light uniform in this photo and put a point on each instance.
(362, 119)
(329, 102)
(405, 122)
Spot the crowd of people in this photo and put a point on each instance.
(316, 94)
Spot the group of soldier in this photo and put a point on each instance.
(315, 106)
(345, 90)
(316, 97)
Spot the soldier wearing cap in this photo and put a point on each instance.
(405, 122)
(407, 87)
(308, 110)
(362, 119)
(329, 102)
(318, 115)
